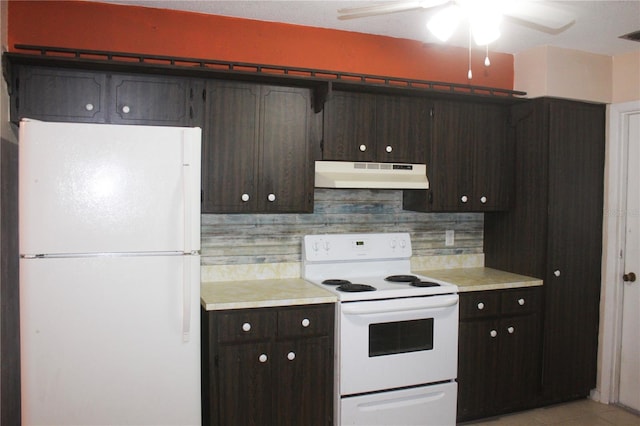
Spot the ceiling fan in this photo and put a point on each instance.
(483, 15)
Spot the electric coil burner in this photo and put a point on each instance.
(401, 325)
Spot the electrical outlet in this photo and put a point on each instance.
(449, 236)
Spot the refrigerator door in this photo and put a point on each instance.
(98, 188)
(103, 340)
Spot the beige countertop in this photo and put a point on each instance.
(261, 293)
(479, 279)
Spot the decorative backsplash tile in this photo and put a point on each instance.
(250, 240)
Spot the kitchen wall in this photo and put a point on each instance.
(272, 243)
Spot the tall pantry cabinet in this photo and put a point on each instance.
(554, 232)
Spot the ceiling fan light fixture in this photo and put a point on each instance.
(485, 28)
(444, 23)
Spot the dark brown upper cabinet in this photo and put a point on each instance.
(470, 161)
(375, 127)
(257, 149)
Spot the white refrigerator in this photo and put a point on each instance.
(109, 274)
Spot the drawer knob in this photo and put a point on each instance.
(493, 333)
(271, 197)
(306, 322)
(245, 197)
(246, 326)
(291, 356)
(521, 301)
(389, 148)
(556, 272)
(363, 148)
(483, 199)
(263, 358)
(511, 330)
(126, 109)
(481, 306)
(88, 107)
(464, 198)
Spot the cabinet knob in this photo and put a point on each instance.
(389, 148)
(126, 109)
(262, 358)
(464, 198)
(88, 107)
(245, 197)
(271, 197)
(556, 272)
(246, 326)
(291, 356)
(483, 199)
(521, 301)
(306, 322)
(363, 148)
(493, 333)
(511, 330)
(481, 306)
(630, 277)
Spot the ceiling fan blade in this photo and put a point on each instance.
(385, 8)
(542, 16)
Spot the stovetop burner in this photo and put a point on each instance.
(401, 278)
(336, 282)
(419, 283)
(355, 288)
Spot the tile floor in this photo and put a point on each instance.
(578, 413)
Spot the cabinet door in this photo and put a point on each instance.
(229, 148)
(158, 101)
(305, 382)
(403, 129)
(350, 127)
(59, 95)
(478, 368)
(285, 176)
(245, 385)
(572, 281)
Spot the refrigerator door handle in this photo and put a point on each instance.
(186, 181)
(186, 298)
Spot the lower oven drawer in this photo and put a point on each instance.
(433, 405)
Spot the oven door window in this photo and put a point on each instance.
(400, 337)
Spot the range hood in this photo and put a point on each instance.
(346, 174)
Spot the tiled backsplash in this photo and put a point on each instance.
(254, 239)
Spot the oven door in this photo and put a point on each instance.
(386, 344)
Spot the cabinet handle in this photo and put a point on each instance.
(464, 198)
(245, 197)
(389, 148)
(521, 301)
(306, 322)
(511, 330)
(263, 358)
(493, 333)
(126, 109)
(271, 197)
(246, 326)
(291, 356)
(483, 199)
(480, 306)
(363, 148)
(556, 272)
(89, 107)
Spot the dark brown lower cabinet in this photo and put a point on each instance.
(268, 366)
(498, 352)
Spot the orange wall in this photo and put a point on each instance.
(102, 26)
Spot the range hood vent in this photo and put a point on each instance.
(345, 174)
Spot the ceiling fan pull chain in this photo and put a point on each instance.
(487, 62)
(469, 74)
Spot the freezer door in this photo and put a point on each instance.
(98, 188)
(110, 340)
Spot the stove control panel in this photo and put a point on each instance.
(346, 247)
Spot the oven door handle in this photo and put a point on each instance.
(418, 305)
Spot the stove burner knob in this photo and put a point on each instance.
(306, 322)
(493, 333)
(481, 306)
(291, 356)
(262, 358)
(246, 326)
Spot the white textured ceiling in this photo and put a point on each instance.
(597, 27)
